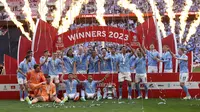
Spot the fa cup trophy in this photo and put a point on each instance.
(110, 91)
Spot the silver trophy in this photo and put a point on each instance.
(110, 92)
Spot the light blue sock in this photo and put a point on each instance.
(120, 91)
(146, 89)
(130, 91)
(25, 94)
(138, 89)
(83, 93)
(21, 93)
(98, 93)
(185, 89)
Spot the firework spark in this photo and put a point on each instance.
(28, 15)
(60, 6)
(171, 14)
(183, 18)
(127, 5)
(100, 12)
(43, 9)
(193, 27)
(70, 15)
(158, 17)
(14, 19)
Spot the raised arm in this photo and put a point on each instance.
(102, 80)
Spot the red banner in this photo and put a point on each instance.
(147, 31)
(23, 46)
(43, 39)
(95, 33)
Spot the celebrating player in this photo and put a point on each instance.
(90, 88)
(152, 55)
(167, 59)
(44, 62)
(34, 77)
(69, 62)
(105, 61)
(183, 69)
(47, 92)
(71, 91)
(141, 76)
(81, 60)
(32, 62)
(53, 66)
(113, 58)
(93, 63)
(23, 68)
(123, 64)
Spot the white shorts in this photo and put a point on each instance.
(71, 96)
(90, 95)
(55, 78)
(141, 77)
(152, 69)
(168, 71)
(21, 80)
(122, 76)
(183, 77)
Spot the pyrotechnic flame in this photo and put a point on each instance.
(28, 15)
(43, 9)
(183, 18)
(100, 12)
(158, 17)
(60, 6)
(70, 15)
(193, 27)
(171, 14)
(127, 5)
(14, 19)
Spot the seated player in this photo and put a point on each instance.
(35, 77)
(90, 88)
(71, 91)
(47, 92)
(183, 66)
(141, 75)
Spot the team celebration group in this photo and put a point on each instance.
(40, 82)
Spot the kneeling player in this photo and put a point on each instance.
(183, 66)
(90, 88)
(71, 91)
(140, 67)
(47, 93)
